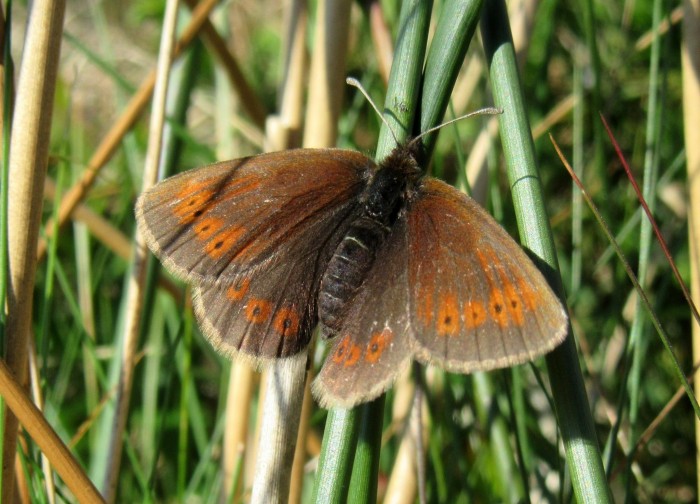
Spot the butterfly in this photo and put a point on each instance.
(391, 264)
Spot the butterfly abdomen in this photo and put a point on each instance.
(347, 269)
(354, 255)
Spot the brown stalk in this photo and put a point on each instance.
(46, 438)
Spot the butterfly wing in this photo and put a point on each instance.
(477, 300)
(262, 315)
(209, 223)
(254, 236)
(374, 344)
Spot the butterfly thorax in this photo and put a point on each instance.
(381, 201)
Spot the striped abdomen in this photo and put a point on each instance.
(347, 269)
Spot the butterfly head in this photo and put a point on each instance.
(390, 184)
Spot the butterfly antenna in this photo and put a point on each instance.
(352, 81)
(483, 111)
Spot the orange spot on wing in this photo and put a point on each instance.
(257, 311)
(474, 314)
(497, 308)
(377, 344)
(192, 187)
(223, 242)
(238, 186)
(193, 201)
(286, 322)
(238, 289)
(207, 226)
(347, 353)
(514, 304)
(353, 355)
(341, 352)
(448, 315)
(528, 295)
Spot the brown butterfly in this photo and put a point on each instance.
(393, 264)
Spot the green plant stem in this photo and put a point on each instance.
(573, 411)
(335, 461)
(453, 33)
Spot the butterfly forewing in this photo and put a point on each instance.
(477, 301)
(374, 344)
(208, 224)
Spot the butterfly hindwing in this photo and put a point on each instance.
(260, 315)
(477, 301)
(374, 344)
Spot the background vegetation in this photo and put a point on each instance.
(186, 437)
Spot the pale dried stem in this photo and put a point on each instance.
(280, 423)
(403, 482)
(282, 132)
(28, 160)
(327, 78)
(690, 61)
(240, 392)
(137, 279)
(297, 478)
(284, 383)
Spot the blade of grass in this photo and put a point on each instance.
(7, 101)
(448, 48)
(633, 278)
